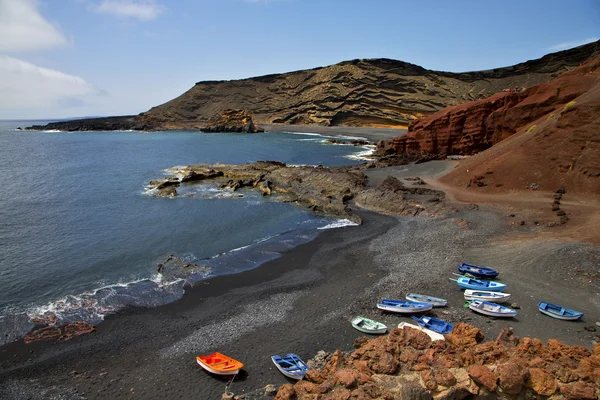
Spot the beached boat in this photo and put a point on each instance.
(434, 301)
(367, 325)
(403, 306)
(220, 364)
(491, 309)
(434, 324)
(291, 366)
(492, 297)
(480, 272)
(559, 312)
(478, 284)
(433, 335)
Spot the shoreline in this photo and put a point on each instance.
(372, 134)
(301, 302)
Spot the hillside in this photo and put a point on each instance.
(548, 134)
(366, 92)
(369, 92)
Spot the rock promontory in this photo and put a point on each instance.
(239, 121)
(332, 191)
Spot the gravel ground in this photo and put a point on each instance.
(301, 303)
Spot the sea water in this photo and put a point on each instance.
(80, 237)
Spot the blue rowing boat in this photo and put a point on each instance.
(422, 298)
(477, 284)
(434, 324)
(291, 366)
(403, 306)
(477, 271)
(559, 312)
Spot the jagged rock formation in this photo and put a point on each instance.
(367, 92)
(475, 126)
(232, 121)
(406, 364)
(319, 189)
(545, 137)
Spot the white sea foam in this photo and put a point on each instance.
(52, 130)
(340, 223)
(362, 155)
(303, 133)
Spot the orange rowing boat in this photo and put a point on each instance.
(219, 364)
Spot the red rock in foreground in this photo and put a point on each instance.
(64, 332)
(408, 365)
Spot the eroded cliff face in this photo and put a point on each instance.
(367, 92)
(406, 364)
(475, 126)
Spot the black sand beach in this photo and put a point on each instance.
(302, 302)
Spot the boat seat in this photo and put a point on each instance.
(562, 311)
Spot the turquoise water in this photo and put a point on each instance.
(81, 238)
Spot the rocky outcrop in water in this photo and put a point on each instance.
(407, 365)
(172, 267)
(329, 191)
(238, 121)
(124, 123)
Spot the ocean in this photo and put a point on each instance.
(81, 238)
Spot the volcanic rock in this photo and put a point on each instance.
(173, 267)
(365, 92)
(232, 121)
(408, 365)
(63, 333)
(561, 151)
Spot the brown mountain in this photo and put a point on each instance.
(367, 92)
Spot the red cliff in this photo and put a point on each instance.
(475, 126)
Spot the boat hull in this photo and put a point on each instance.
(502, 312)
(480, 272)
(404, 310)
(489, 296)
(562, 317)
(433, 335)
(435, 302)
(217, 372)
(465, 283)
(434, 324)
(297, 376)
(558, 312)
(381, 328)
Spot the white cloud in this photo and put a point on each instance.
(30, 90)
(22, 27)
(570, 45)
(144, 10)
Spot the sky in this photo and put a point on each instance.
(73, 58)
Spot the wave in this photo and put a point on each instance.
(326, 136)
(362, 155)
(154, 290)
(340, 223)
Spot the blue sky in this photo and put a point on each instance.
(68, 58)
